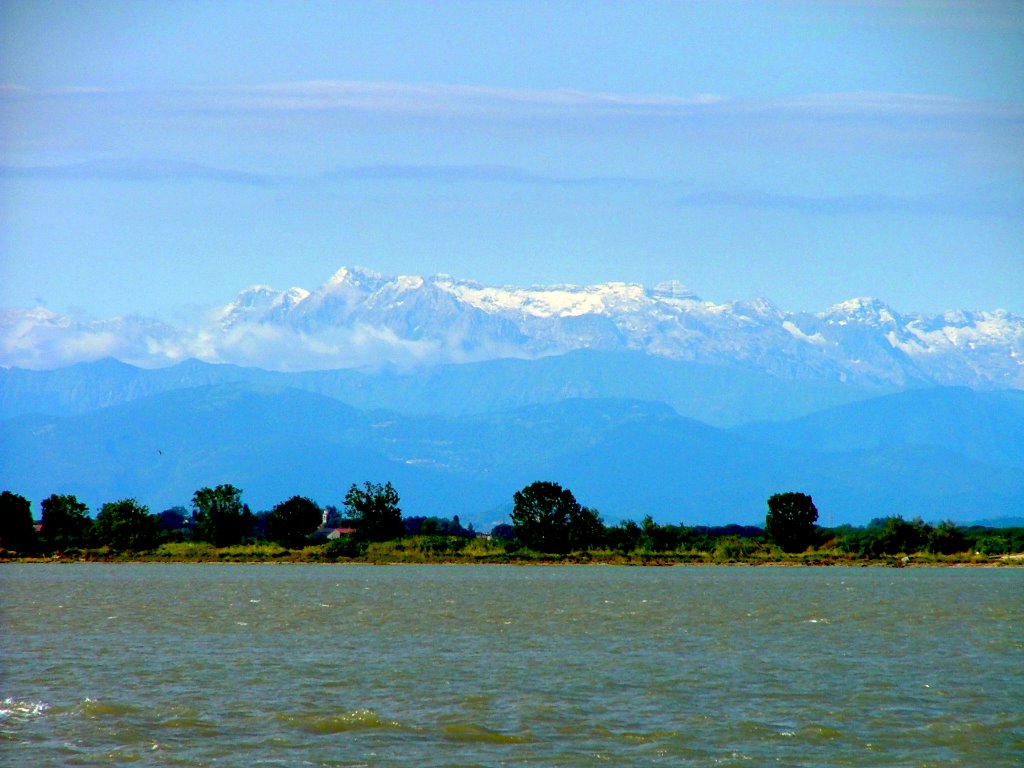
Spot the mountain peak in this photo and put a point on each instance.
(673, 290)
(354, 276)
(362, 318)
(863, 309)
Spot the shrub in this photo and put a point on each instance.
(344, 546)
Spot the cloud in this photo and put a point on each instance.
(443, 99)
(388, 98)
(142, 170)
(39, 338)
(293, 111)
(454, 100)
(468, 173)
(128, 169)
(295, 125)
(931, 205)
(886, 104)
(953, 15)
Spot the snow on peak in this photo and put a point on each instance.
(258, 303)
(549, 301)
(863, 309)
(408, 283)
(794, 330)
(354, 276)
(253, 298)
(759, 308)
(361, 317)
(673, 290)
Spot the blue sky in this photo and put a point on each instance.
(156, 156)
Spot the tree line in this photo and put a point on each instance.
(218, 517)
(545, 518)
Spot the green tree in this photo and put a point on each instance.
(790, 521)
(17, 531)
(291, 521)
(173, 523)
(625, 536)
(898, 535)
(66, 522)
(947, 539)
(503, 532)
(126, 525)
(547, 518)
(661, 538)
(586, 529)
(375, 512)
(221, 518)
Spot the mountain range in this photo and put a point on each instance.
(360, 319)
(642, 401)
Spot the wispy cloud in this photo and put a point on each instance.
(145, 170)
(934, 205)
(126, 169)
(454, 100)
(469, 173)
(307, 122)
(997, 15)
(445, 99)
(882, 104)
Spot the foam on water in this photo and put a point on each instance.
(15, 712)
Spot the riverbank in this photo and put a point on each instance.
(424, 550)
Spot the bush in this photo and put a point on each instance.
(344, 546)
(731, 549)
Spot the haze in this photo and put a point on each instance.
(159, 156)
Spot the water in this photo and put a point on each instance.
(284, 665)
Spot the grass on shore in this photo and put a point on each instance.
(455, 550)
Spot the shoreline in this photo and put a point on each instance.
(632, 561)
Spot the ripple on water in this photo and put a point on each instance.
(473, 732)
(95, 709)
(354, 720)
(526, 666)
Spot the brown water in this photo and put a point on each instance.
(490, 666)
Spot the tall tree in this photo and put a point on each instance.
(66, 522)
(290, 522)
(126, 525)
(790, 521)
(17, 531)
(586, 529)
(547, 518)
(374, 508)
(221, 518)
(946, 539)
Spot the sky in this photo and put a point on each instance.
(157, 157)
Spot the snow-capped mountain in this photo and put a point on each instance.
(360, 318)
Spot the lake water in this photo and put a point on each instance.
(347, 665)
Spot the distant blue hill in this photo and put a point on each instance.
(985, 426)
(625, 457)
(720, 395)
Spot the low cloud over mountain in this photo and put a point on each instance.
(362, 319)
